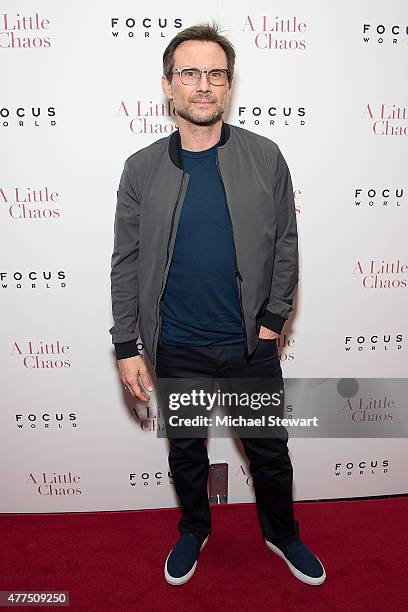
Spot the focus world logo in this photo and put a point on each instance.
(33, 279)
(374, 342)
(381, 34)
(365, 467)
(147, 479)
(379, 197)
(144, 27)
(27, 116)
(275, 115)
(45, 421)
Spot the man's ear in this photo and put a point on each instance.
(166, 88)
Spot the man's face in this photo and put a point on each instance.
(203, 103)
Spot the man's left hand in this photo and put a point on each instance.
(268, 334)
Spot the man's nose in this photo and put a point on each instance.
(203, 83)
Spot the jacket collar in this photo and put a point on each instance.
(175, 150)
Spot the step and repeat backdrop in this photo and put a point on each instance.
(81, 91)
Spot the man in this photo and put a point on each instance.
(205, 268)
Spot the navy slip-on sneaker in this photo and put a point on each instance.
(181, 561)
(301, 561)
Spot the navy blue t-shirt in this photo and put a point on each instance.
(201, 300)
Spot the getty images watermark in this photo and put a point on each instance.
(209, 401)
(307, 407)
(237, 407)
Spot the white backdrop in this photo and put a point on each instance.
(79, 94)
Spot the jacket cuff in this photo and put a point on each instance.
(272, 321)
(124, 350)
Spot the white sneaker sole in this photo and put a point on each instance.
(186, 577)
(303, 577)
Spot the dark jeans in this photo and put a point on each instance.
(269, 460)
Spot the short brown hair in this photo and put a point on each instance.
(205, 32)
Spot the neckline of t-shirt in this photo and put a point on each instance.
(195, 154)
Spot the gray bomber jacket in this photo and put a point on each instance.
(260, 202)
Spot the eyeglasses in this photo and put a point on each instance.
(191, 76)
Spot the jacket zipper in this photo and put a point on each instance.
(165, 266)
(237, 272)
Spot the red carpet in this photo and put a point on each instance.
(114, 560)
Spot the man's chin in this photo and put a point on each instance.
(201, 118)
